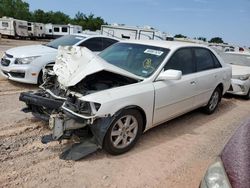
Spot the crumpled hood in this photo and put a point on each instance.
(75, 63)
(31, 50)
(240, 70)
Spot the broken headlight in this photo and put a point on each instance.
(81, 107)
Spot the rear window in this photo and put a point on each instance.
(67, 40)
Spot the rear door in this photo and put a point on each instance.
(208, 74)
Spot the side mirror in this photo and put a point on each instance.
(170, 75)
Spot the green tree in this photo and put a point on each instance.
(216, 40)
(180, 36)
(89, 22)
(39, 16)
(15, 8)
(50, 17)
(19, 9)
(57, 17)
(202, 38)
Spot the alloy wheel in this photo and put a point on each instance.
(124, 131)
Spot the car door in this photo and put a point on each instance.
(208, 74)
(175, 97)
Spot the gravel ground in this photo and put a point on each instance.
(175, 154)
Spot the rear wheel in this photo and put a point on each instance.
(124, 132)
(213, 101)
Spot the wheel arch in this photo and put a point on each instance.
(139, 109)
(41, 71)
(220, 85)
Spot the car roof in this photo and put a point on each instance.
(93, 36)
(165, 44)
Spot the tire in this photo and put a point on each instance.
(213, 101)
(120, 137)
(247, 97)
(40, 78)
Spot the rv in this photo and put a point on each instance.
(55, 31)
(36, 30)
(11, 27)
(121, 31)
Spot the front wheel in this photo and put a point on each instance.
(40, 78)
(247, 96)
(213, 101)
(124, 132)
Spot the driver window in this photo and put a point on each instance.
(181, 60)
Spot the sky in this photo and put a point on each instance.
(228, 19)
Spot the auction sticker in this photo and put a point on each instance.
(153, 52)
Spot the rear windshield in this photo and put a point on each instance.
(67, 40)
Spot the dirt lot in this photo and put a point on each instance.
(175, 154)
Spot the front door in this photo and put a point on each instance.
(175, 97)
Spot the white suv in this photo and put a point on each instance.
(24, 64)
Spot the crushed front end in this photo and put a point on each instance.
(78, 119)
(46, 100)
(63, 98)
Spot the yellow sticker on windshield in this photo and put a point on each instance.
(147, 63)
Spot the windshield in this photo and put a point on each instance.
(141, 60)
(67, 40)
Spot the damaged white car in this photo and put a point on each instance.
(129, 88)
(240, 82)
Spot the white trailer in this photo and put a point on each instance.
(54, 31)
(36, 30)
(133, 32)
(13, 28)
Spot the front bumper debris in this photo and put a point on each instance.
(64, 127)
(80, 150)
(34, 99)
(60, 124)
(41, 106)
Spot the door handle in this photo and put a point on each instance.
(193, 82)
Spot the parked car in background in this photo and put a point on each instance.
(129, 88)
(232, 167)
(240, 82)
(24, 64)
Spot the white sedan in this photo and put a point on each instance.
(25, 63)
(131, 87)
